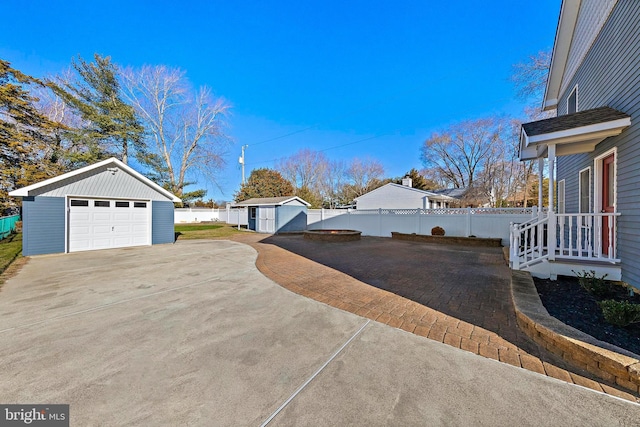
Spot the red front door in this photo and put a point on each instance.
(608, 199)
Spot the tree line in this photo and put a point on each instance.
(176, 133)
(479, 156)
(98, 109)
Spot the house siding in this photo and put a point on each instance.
(291, 218)
(615, 53)
(101, 183)
(162, 222)
(393, 197)
(43, 225)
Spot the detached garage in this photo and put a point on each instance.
(102, 206)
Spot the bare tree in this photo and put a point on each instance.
(530, 77)
(305, 169)
(185, 127)
(334, 180)
(363, 174)
(459, 153)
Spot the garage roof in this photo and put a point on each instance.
(32, 190)
(270, 201)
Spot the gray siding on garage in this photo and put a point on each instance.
(162, 222)
(43, 225)
(101, 183)
(610, 76)
(291, 218)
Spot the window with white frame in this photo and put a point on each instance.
(585, 191)
(252, 212)
(561, 196)
(572, 101)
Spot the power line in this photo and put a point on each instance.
(325, 149)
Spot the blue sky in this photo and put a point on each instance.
(354, 78)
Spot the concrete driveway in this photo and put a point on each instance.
(193, 334)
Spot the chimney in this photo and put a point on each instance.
(407, 182)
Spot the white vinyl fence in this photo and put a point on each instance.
(465, 222)
(229, 216)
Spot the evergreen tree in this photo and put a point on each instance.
(418, 181)
(264, 182)
(95, 97)
(27, 149)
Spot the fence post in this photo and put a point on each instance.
(321, 218)
(514, 246)
(534, 211)
(418, 221)
(468, 221)
(379, 222)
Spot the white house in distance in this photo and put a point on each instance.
(396, 196)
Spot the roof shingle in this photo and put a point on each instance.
(574, 120)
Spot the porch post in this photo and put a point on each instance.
(551, 227)
(540, 180)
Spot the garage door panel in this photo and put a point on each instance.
(122, 216)
(111, 224)
(101, 216)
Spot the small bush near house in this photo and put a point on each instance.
(437, 231)
(620, 313)
(593, 284)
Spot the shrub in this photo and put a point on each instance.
(620, 313)
(437, 231)
(593, 284)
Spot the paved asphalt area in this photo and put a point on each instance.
(193, 334)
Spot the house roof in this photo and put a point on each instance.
(574, 120)
(26, 191)
(572, 133)
(455, 193)
(430, 194)
(270, 201)
(561, 47)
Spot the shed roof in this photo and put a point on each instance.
(61, 180)
(270, 201)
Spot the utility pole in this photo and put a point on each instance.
(241, 161)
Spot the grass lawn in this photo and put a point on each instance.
(205, 231)
(10, 249)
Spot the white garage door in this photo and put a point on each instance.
(103, 224)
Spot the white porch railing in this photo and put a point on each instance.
(581, 236)
(576, 236)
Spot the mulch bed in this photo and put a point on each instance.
(568, 302)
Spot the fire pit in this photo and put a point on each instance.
(332, 235)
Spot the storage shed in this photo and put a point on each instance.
(101, 206)
(276, 214)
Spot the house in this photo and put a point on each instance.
(101, 206)
(592, 147)
(396, 196)
(276, 214)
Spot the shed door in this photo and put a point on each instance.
(266, 219)
(103, 224)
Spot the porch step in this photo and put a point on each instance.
(565, 267)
